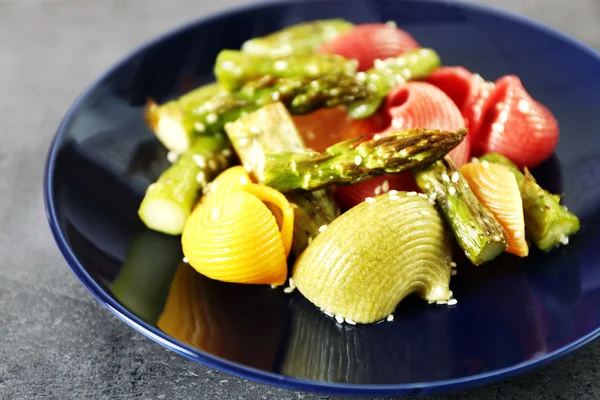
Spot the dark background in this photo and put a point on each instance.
(56, 341)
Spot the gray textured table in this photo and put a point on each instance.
(56, 341)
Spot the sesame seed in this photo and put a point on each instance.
(485, 164)
(275, 96)
(292, 284)
(393, 192)
(451, 191)
(441, 302)
(349, 321)
(453, 264)
(425, 212)
(357, 160)
(391, 24)
(339, 319)
(280, 65)
(185, 260)
(523, 106)
(445, 177)
(327, 313)
(452, 302)
(361, 77)
(411, 194)
(273, 286)
(379, 64)
(255, 130)
(322, 228)
(199, 160)
(211, 118)
(201, 178)
(376, 136)
(474, 160)
(455, 177)
(518, 235)
(497, 238)
(453, 272)
(433, 197)
(226, 152)
(199, 126)
(370, 200)
(310, 240)
(385, 187)
(288, 290)
(394, 197)
(390, 318)
(377, 190)
(172, 156)
(423, 195)
(565, 207)
(427, 186)
(432, 202)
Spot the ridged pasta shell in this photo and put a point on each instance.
(375, 255)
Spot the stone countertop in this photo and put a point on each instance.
(56, 341)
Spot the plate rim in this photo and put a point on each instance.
(251, 373)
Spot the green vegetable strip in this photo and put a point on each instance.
(548, 224)
(233, 68)
(389, 73)
(272, 129)
(301, 95)
(169, 201)
(303, 38)
(356, 160)
(476, 230)
(170, 121)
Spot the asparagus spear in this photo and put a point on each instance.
(271, 129)
(476, 230)
(234, 68)
(548, 224)
(171, 121)
(356, 160)
(301, 95)
(169, 201)
(389, 73)
(302, 38)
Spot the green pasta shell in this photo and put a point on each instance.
(373, 256)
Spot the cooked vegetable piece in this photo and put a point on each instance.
(356, 160)
(497, 189)
(172, 122)
(143, 281)
(389, 73)
(475, 228)
(301, 38)
(234, 68)
(362, 274)
(369, 42)
(272, 129)
(548, 224)
(232, 236)
(169, 201)
(300, 95)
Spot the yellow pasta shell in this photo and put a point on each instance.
(233, 236)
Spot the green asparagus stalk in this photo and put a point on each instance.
(356, 160)
(303, 38)
(548, 224)
(169, 201)
(271, 129)
(171, 121)
(301, 95)
(389, 73)
(234, 68)
(481, 237)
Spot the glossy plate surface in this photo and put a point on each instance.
(512, 315)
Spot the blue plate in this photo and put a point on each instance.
(512, 315)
